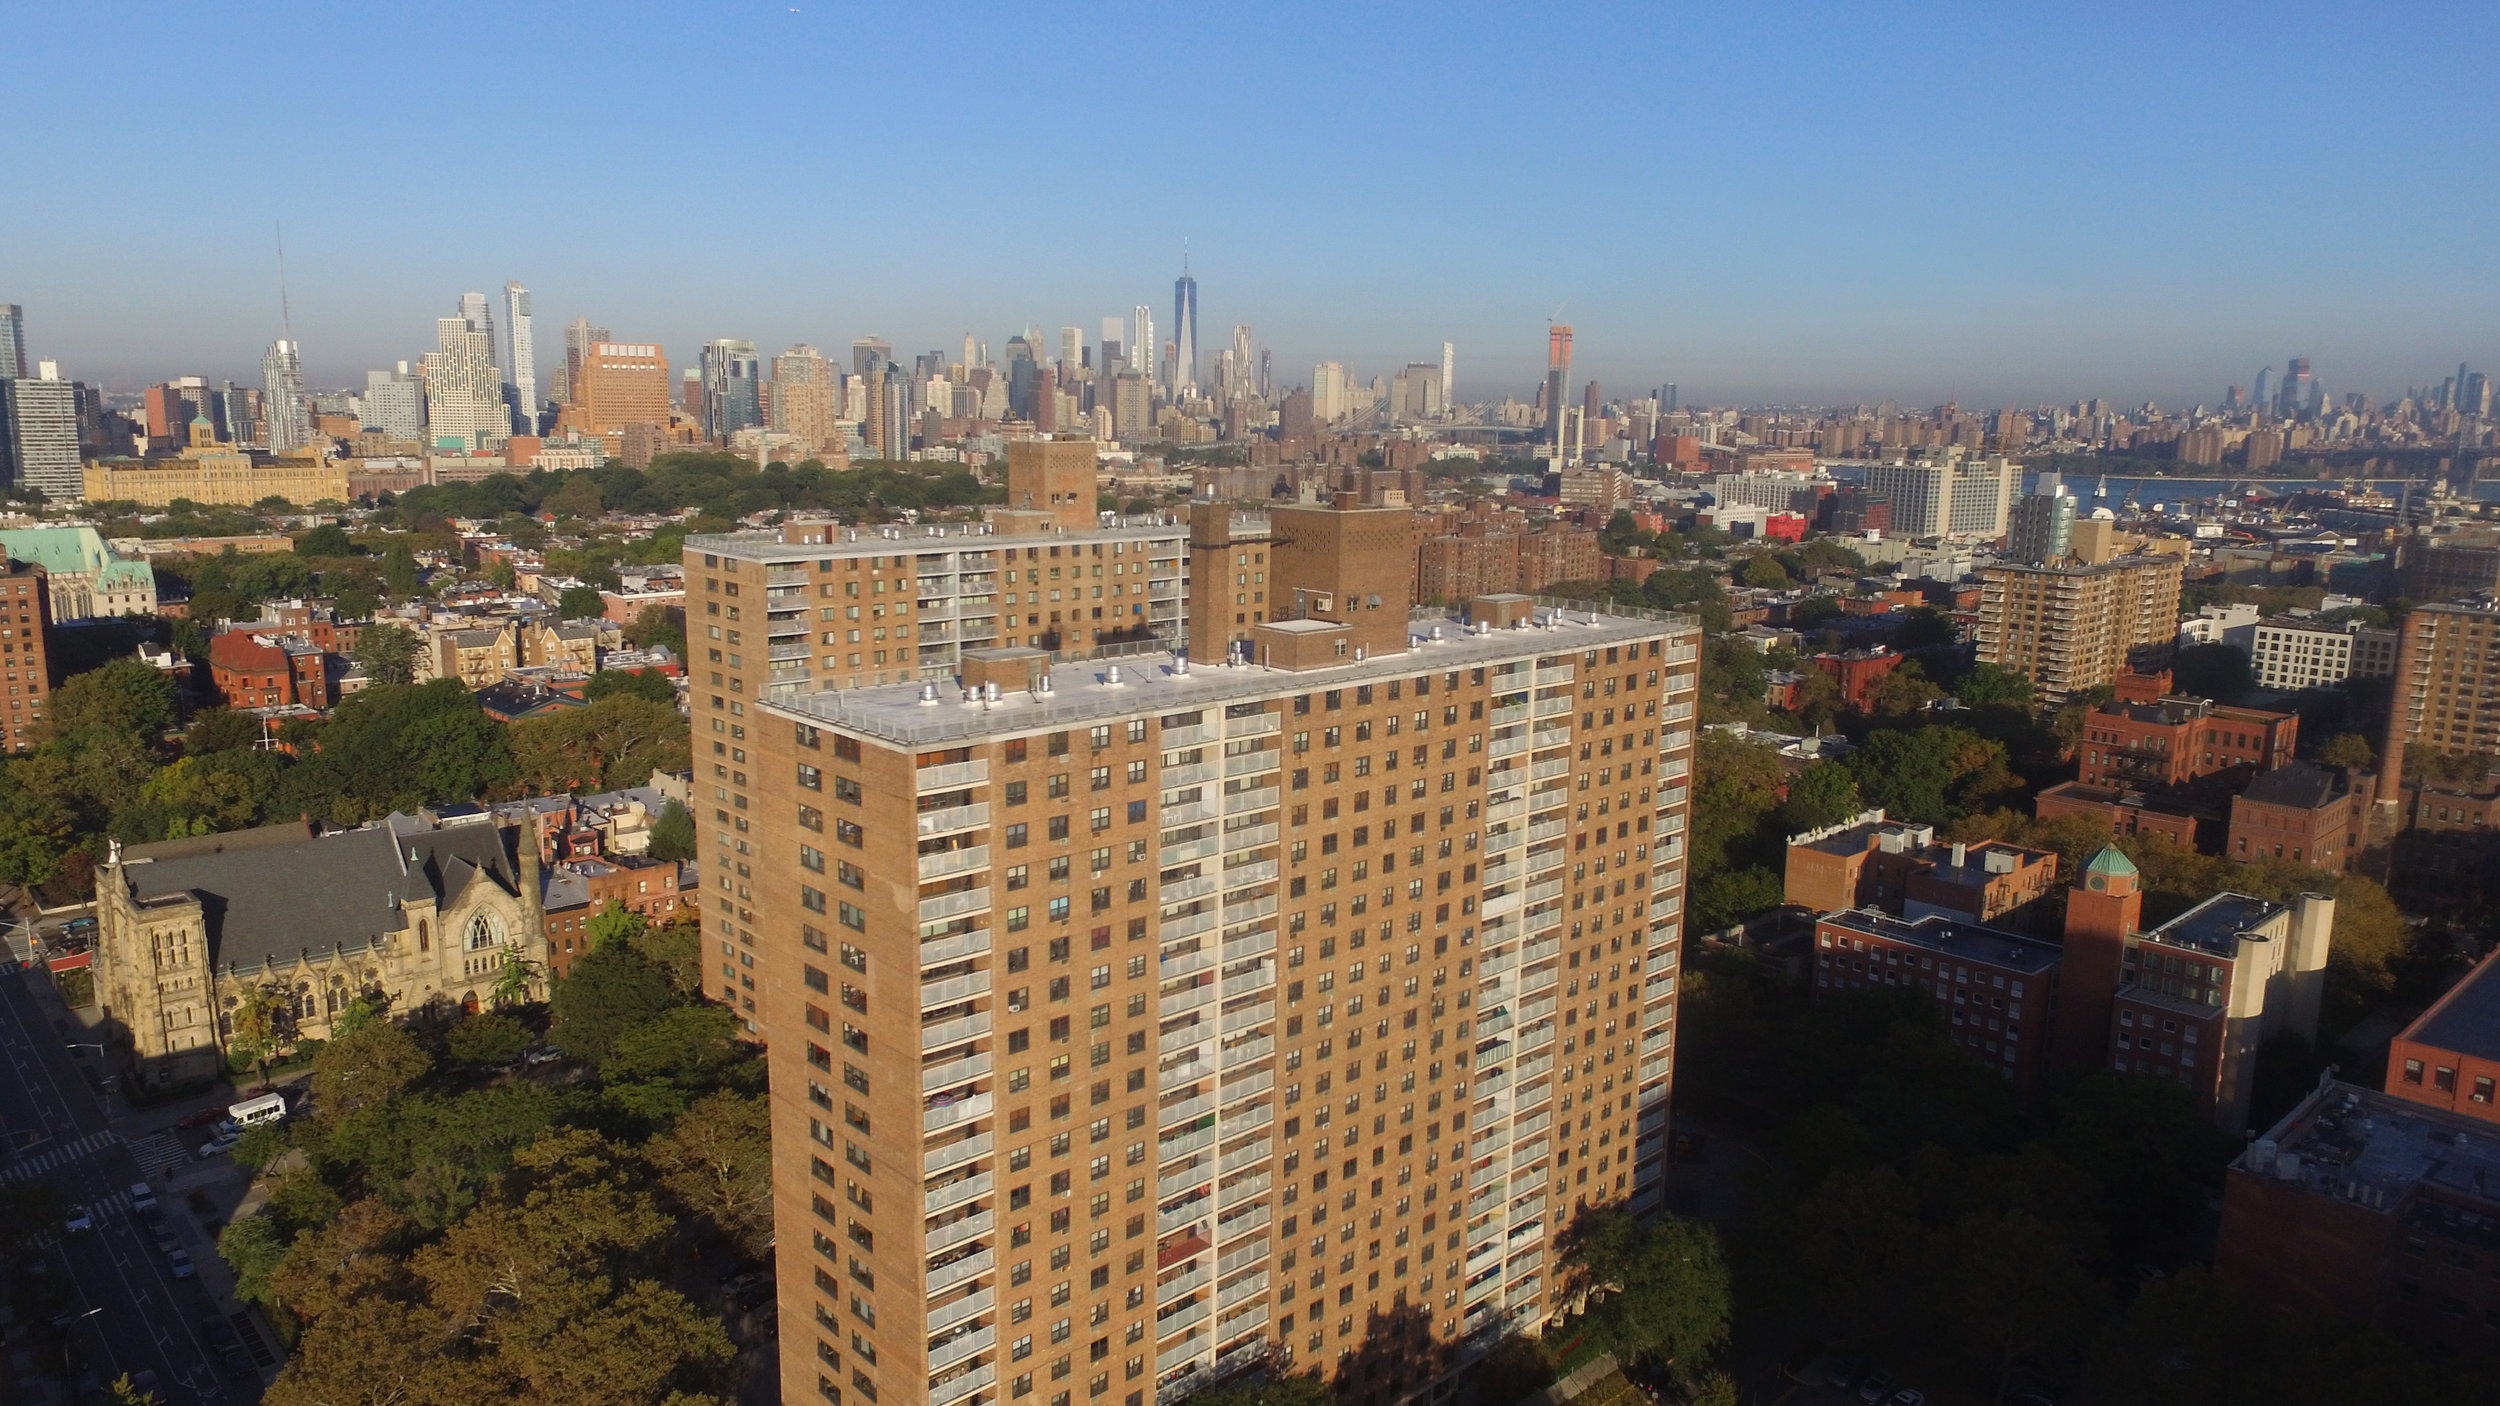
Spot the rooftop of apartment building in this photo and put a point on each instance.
(2369, 1148)
(2301, 785)
(820, 540)
(2215, 925)
(2082, 569)
(2467, 1019)
(1948, 937)
(1084, 691)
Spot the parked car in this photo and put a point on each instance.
(542, 1055)
(1908, 1396)
(219, 1145)
(1877, 1386)
(142, 1196)
(202, 1118)
(78, 1220)
(1845, 1372)
(164, 1234)
(180, 1259)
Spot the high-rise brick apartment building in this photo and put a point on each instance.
(1136, 1019)
(25, 649)
(2071, 628)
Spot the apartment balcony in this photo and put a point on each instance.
(937, 950)
(1251, 945)
(1187, 813)
(1510, 746)
(1235, 1193)
(954, 988)
(1238, 838)
(1540, 979)
(956, 1388)
(1256, 979)
(1174, 1356)
(1189, 890)
(1252, 763)
(1196, 1033)
(955, 1154)
(956, 1272)
(961, 1110)
(971, 1227)
(961, 1346)
(1187, 999)
(949, 862)
(1502, 904)
(955, 1193)
(1188, 850)
(1182, 1283)
(1247, 1156)
(1507, 714)
(933, 823)
(1171, 1148)
(954, 776)
(1240, 1255)
(1240, 1289)
(1245, 1017)
(1182, 1317)
(953, 1032)
(1190, 774)
(1247, 1051)
(1187, 1110)
(947, 1315)
(954, 1071)
(1253, 725)
(1241, 1086)
(1548, 738)
(1184, 963)
(1243, 875)
(1243, 802)
(954, 905)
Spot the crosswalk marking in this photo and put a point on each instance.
(158, 1151)
(35, 1164)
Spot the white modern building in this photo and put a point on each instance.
(521, 356)
(464, 406)
(1948, 497)
(2288, 652)
(283, 412)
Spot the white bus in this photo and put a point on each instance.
(251, 1112)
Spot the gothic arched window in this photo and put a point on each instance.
(483, 933)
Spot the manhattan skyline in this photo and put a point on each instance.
(1783, 207)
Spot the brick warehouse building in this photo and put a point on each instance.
(1229, 999)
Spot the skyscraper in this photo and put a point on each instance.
(804, 404)
(2299, 389)
(464, 406)
(1021, 367)
(1198, 1018)
(578, 340)
(1184, 332)
(1557, 377)
(732, 401)
(2041, 528)
(623, 384)
(869, 354)
(479, 311)
(39, 434)
(1332, 393)
(12, 341)
(1142, 347)
(1449, 372)
(282, 407)
(1113, 356)
(1071, 350)
(394, 403)
(2261, 392)
(520, 359)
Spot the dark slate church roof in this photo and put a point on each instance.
(282, 891)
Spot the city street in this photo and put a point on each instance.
(125, 1311)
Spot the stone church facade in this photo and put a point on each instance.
(416, 913)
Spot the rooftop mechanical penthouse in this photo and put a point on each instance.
(1137, 1019)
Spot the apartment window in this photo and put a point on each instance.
(2444, 1079)
(811, 777)
(2413, 1071)
(846, 789)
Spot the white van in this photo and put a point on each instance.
(251, 1112)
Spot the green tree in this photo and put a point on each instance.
(1660, 1288)
(488, 1041)
(2349, 749)
(1992, 686)
(1297, 1390)
(608, 991)
(614, 925)
(387, 654)
(252, 1248)
(657, 625)
(125, 698)
(263, 1024)
(2218, 671)
(675, 947)
(672, 834)
(717, 1160)
(649, 685)
(370, 1066)
(581, 603)
(399, 571)
(617, 741)
(327, 540)
(1764, 573)
(515, 979)
(1825, 793)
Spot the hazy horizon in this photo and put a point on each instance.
(1798, 206)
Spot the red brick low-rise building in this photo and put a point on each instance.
(1997, 987)
(256, 671)
(25, 649)
(1859, 672)
(2450, 1058)
(2175, 740)
(2303, 812)
(2375, 1210)
(1901, 868)
(2125, 812)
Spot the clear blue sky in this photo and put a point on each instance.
(1830, 202)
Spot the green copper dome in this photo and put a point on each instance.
(2109, 863)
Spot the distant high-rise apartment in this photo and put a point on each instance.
(1112, 357)
(284, 413)
(13, 364)
(39, 435)
(1184, 333)
(2447, 697)
(1449, 372)
(2042, 527)
(1097, 930)
(2069, 628)
(479, 310)
(624, 383)
(1960, 497)
(805, 397)
(579, 338)
(1071, 350)
(1332, 393)
(732, 399)
(870, 354)
(464, 404)
(394, 403)
(1143, 349)
(520, 359)
(1132, 407)
(1557, 376)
